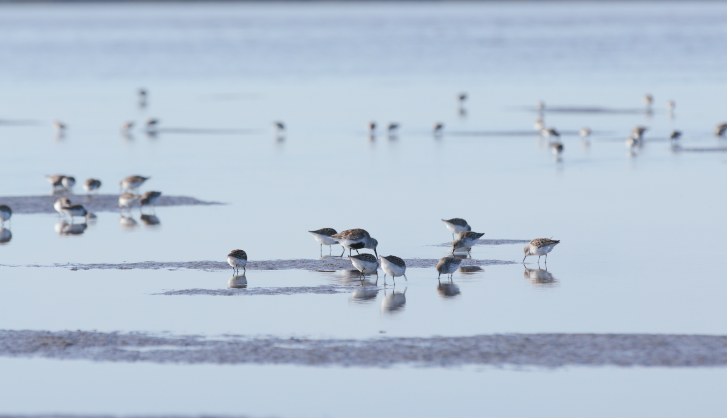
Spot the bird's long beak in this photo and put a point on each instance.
(377, 254)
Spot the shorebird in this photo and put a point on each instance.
(237, 259)
(60, 126)
(5, 213)
(466, 239)
(462, 97)
(280, 126)
(540, 247)
(60, 204)
(392, 128)
(638, 132)
(456, 225)
(132, 182)
(59, 180)
(671, 105)
(149, 198)
(142, 94)
(68, 182)
(126, 127)
(127, 200)
(393, 266)
(632, 142)
(675, 135)
(585, 132)
(151, 125)
(720, 130)
(91, 184)
(355, 239)
(365, 263)
(447, 266)
(323, 236)
(550, 133)
(556, 148)
(438, 128)
(541, 105)
(648, 100)
(539, 125)
(74, 210)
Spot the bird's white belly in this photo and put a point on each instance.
(348, 243)
(236, 262)
(325, 240)
(541, 250)
(392, 269)
(455, 229)
(365, 266)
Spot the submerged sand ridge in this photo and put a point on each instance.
(92, 203)
(540, 350)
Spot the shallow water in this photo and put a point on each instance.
(641, 232)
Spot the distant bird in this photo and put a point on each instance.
(438, 128)
(60, 126)
(671, 105)
(323, 236)
(62, 181)
(585, 132)
(447, 266)
(150, 198)
(365, 263)
(132, 182)
(74, 210)
(142, 94)
(5, 213)
(675, 135)
(393, 127)
(462, 97)
(237, 259)
(541, 105)
(127, 200)
(91, 184)
(126, 127)
(648, 100)
(372, 127)
(720, 130)
(638, 132)
(550, 133)
(60, 204)
(540, 247)
(356, 239)
(68, 182)
(466, 239)
(280, 126)
(393, 266)
(632, 142)
(151, 125)
(456, 225)
(539, 125)
(556, 148)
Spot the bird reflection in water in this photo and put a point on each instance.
(237, 282)
(150, 220)
(127, 222)
(64, 228)
(468, 270)
(448, 290)
(540, 277)
(394, 301)
(5, 236)
(349, 277)
(365, 294)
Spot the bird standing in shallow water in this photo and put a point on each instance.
(237, 259)
(132, 182)
(648, 100)
(127, 200)
(91, 185)
(720, 130)
(447, 266)
(466, 239)
(365, 263)
(149, 198)
(438, 128)
(355, 239)
(675, 135)
(540, 247)
(393, 266)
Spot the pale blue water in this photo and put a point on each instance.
(641, 235)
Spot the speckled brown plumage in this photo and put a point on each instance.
(324, 231)
(239, 254)
(543, 242)
(352, 234)
(365, 257)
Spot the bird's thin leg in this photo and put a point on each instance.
(244, 270)
(321, 250)
(343, 252)
(406, 278)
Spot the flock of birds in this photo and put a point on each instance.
(366, 263)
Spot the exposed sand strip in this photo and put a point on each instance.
(93, 203)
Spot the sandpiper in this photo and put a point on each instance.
(720, 130)
(237, 259)
(539, 125)
(648, 100)
(91, 184)
(550, 133)
(151, 125)
(126, 127)
(556, 148)
(132, 182)
(68, 182)
(585, 132)
(393, 127)
(462, 97)
(438, 128)
(456, 225)
(127, 200)
(638, 132)
(466, 239)
(74, 210)
(671, 105)
(675, 135)
(447, 266)
(60, 204)
(60, 126)
(541, 105)
(393, 266)
(355, 239)
(323, 236)
(280, 126)
(365, 263)
(540, 247)
(142, 94)
(57, 180)
(372, 127)
(149, 198)
(5, 213)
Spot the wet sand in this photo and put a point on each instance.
(539, 350)
(92, 203)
